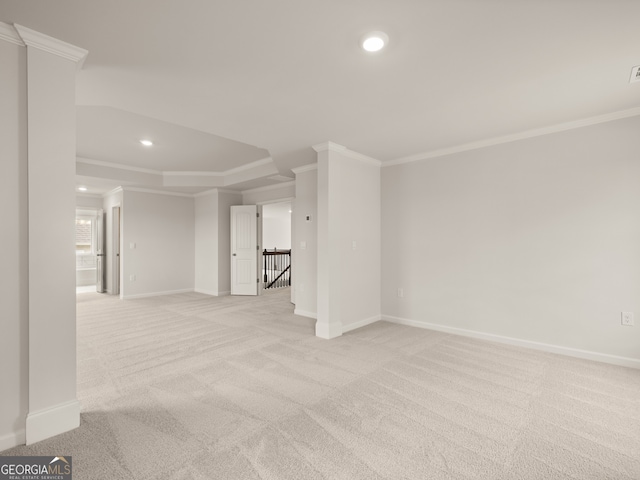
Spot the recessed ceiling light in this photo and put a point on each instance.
(146, 143)
(82, 189)
(374, 41)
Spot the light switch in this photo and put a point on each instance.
(353, 245)
(132, 245)
(303, 245)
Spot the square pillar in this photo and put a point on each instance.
(51, 166)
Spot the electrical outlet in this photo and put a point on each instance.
(400, 293)
(132, 278)
(627, 319)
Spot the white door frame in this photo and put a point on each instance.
(115, 246)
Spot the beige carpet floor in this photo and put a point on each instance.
(194, 387)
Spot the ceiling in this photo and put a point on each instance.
(108, 134)
(221, 84)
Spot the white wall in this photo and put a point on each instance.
(276, 226)
(89, 201)
(225, 201)
(212, 241)
(348, 240)
(206, 243)
(14, 318)
(304, 260)
(360, 224)
(276, 233)
(534, 240)
(270, 194)
(162, 229)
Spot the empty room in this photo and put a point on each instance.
(320, 240)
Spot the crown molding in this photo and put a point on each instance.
(171, 173)
(281, 178)
(305, 168)
(112, 192)
(226, 190)
(362, 158)
(249, 166)
(205, 193)
(187, 173)
(334, 147)
(277, 200)
(119, 166)
(157, 192)
(90, 195)
(9, 34)
(270, 187)
(216, 190)
(38, 40)
(561, 127)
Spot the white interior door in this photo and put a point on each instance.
(245, 249)
(100, 252)
(115, 226)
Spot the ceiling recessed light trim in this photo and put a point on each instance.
(146, 143)
(374, 41)
(82, 189)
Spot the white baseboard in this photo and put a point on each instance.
(304, 313)
(344, 328)
(212, 293)
(49, 422)
(13, 440)
(328, 330)
(360, 323)
(545, 347)
(206, 292)
(155, 294)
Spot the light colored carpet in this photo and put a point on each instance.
(194, 387)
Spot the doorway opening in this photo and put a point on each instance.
(276, 240)
(260, 247)
(86, 248)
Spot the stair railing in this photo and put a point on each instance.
(276, 268)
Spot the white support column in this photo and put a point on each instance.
(14, 298)
(51, 140)
(348, 266)
(329, 322)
